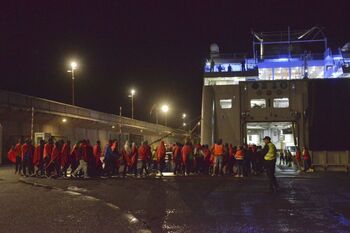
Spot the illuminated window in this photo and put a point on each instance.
(257, 103)
(281, 103)
(316, 71)
(265, 74)
(226, 103)
(221, 81)
(297, 73)
(281, 74)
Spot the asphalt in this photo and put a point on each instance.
(312, 202)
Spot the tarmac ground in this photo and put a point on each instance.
(307, 202)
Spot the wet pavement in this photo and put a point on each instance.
(315, 202)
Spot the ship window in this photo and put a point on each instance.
(226, 103)
(281, 103)
(265, 74)
(257, 103)
(296, 73)
(316, 71)
(281, 74)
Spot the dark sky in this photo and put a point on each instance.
(158, 47)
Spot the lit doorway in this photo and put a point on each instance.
(282, 134)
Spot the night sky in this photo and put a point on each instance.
(157, 47)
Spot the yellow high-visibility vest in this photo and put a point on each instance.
(271, 153)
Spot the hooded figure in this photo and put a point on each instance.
(18, 153)
(133, 160)
(97, 151)
(134, 154)
(27, 157)
(186, 153)
(74, 155)
(55, 160)
(126, 152)
(116, 156)
(177, 157)
(11, 155)
(207, 157)
(65, 157)
(144, 157)
(108, 160)
(161, 153)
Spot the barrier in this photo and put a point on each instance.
(331, 160)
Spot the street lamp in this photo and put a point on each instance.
(73, 66)
(165, 110)
(160, 108)
(132, 93)
(184, 115)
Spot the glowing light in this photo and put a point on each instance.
(113, 126)
(282, 59)
(184, 115)
(64, 120)
(73, 65)
(165, 108)
(184, 124)
(132, 92)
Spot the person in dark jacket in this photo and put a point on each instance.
(108, 159)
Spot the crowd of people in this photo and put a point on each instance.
(59, 158)
(301, 161)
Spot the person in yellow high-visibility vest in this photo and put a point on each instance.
(270, 163)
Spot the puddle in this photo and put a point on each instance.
(131, 218)
(76, 189)
(73, 193)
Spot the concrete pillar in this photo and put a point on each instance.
(207, 115)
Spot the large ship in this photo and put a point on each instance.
(292, 87)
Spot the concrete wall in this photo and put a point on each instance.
(218, 123)
(227, 121)
(207, 115)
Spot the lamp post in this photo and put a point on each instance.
(132, 93)
(73, 66)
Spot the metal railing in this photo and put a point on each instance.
(310, 56)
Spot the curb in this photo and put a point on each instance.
(135, 224)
